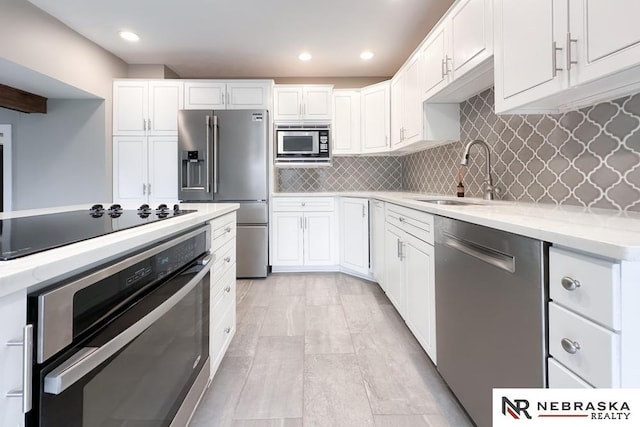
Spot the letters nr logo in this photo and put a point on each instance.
(516, 409)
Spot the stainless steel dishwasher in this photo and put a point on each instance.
(491, 295)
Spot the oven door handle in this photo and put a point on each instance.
(89, 358)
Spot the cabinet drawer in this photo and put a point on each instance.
(223, 230)
(302, 204)
(598, 358)
(225, 258)
(416, 223)
(561, 377)
(591, 285)
(222, 330)
(223, 287)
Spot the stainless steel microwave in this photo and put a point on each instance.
(303, 143)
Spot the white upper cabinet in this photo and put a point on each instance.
(302, 102)
(227, 95)
(146, 107)
(406, 105)
(375, 118)
(346, 122)
(545, 48)
(456, 55)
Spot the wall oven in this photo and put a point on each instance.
(302, 143)
(126, 343)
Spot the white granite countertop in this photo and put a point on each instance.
(43, 268)
(602, 232)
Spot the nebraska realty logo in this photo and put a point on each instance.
(566, 407)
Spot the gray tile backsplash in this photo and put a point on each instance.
(368, 173)
(589, 157)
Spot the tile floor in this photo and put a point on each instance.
(324, 349)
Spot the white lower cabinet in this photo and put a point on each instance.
(13, 310)
(354, 235)
(145, 170)
(222, 312)
(409, 272)
(303, 232)
(377, 242)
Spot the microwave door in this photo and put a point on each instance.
(196, 151)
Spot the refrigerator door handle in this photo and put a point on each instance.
(208, 138)
(215, 154)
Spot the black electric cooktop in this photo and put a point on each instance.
(31, 234)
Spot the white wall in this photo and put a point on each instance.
(33, 39)
(58, 157)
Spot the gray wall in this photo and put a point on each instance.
(58, 157)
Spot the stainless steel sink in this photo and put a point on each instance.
(450, 202)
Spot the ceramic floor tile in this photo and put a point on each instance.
(402, 421)
(288, 284)
(362, 312)
(326, 330)
(273, 388)
(321, 290)
(255, 293)
(247, 332)
(285, 316)
(219, 401)
(276, 422)
(334, 394)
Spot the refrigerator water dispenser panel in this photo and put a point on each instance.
(193, 174)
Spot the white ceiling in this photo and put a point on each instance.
(256, 38)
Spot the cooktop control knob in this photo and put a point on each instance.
(176, 209)
(96, 210)
(144, 210)
(162, 208)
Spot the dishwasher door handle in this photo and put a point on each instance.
(488, 255)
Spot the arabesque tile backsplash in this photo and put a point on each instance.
(589, 157)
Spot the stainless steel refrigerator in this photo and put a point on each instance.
(223, 158)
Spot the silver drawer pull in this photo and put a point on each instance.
(569, 346)
(570, 284)
(227, 330)
(401, 219)
(227, 230)
(227, 259)
(227, 289)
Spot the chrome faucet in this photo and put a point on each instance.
(488, 182)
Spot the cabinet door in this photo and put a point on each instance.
(287, 238)
(249, 95)
(471, 35)
(287, 102)
(375, 118)
(434, 62)
(204, 95)
(317, 103)
(130, 171)
(412, 103)
(163, 170)
(393, 266)
(529, 47)
(354, 235)
(319, 238)
(397, 112)
(165, 99)
(419, 278)
(377, 243)
(607, 38)
(13, 317)
(346, 122)
(130, 107)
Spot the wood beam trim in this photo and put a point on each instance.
(19, 100)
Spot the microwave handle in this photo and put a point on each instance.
(89, 358)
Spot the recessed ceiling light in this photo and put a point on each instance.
(129, 36)
(366, 55)
(305, 56)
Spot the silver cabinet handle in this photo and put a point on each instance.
(442, 73)
(554, 59)
(227, 289)
(223, 98)
(144, 124)
(305, 223)
(569, 283)
(398, 248)
(401, 219)
(227, 230)
(227, 330)
(227, 259)
(149, 188)
(144, 188)
(89, 358)
(27, 365)
(148, 124)
(569, 60)
(301, 226)
(304, 204)
(569, 346)
(363, 211)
